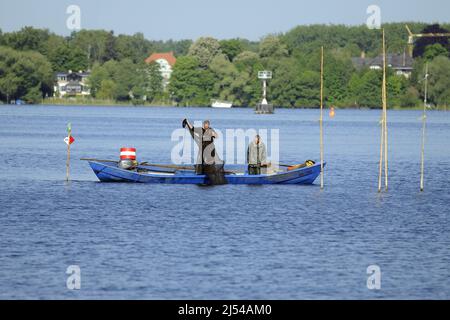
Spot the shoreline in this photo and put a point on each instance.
(420, 108)
(107, 103)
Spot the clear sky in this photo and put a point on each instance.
(190, 19)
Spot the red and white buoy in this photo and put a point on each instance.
(128, 154)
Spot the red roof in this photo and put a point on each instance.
(168, 56)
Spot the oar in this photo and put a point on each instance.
(142, 164)
(98, 160)
(187, 168)
(279, 164)
(297, 166)
(169, 166)
(282, 165)
(178, 167)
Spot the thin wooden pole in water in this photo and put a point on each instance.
(321, 122)
(69, 131)
(380, 173)
(384, 133)
(424, 123)
(385, 114)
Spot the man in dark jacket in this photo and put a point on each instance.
(208, 162)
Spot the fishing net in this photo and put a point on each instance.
(215, 174)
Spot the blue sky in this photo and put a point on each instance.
(181, 19)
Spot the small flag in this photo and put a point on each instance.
(69, 129)
(69, 141)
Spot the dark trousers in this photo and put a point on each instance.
(254, 169)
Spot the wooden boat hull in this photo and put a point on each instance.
(109, 172)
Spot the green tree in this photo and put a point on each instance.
(27, 39)
(308, 89)
(205, 49)
(98, 74)
(190, 84)
(225, 73)
(110, 47)
(410, 98)
(396, 86)
(151, 82)
(134, 47)
(309, 39)
(338, 71)
(247, 60)
(435, 50)
(365, 89)
(96, 44)
(9, 85)
(24, 75)
(33, 95)
(231, 48)
(439, 71)
(125, 78)
(285, 90)
(125, 75)
(107, 90)
(181, 85)
(9, 82)
(179, 48)
(66, 57)
(271, 46)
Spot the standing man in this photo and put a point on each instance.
(256, 156)
(208, 162)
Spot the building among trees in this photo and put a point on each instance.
(123, 71)
(72, 84)
(402, 64)
(166, 63)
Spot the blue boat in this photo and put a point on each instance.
(108, 171)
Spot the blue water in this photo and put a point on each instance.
(229, 242)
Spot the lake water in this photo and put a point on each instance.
(226, 242)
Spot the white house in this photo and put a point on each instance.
(166, 63)
(72, 84)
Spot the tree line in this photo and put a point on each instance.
(227, 69)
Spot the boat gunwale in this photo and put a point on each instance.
(189, 175)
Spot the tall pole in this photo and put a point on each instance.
(69, 134)
(384, 132)
(321, 121)
(380, 173)
(424, 122)
(385, 114)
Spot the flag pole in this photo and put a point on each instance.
(69, 131)
(321, 121)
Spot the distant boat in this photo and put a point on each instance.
(222, 104)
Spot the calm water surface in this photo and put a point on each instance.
(229, 242)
